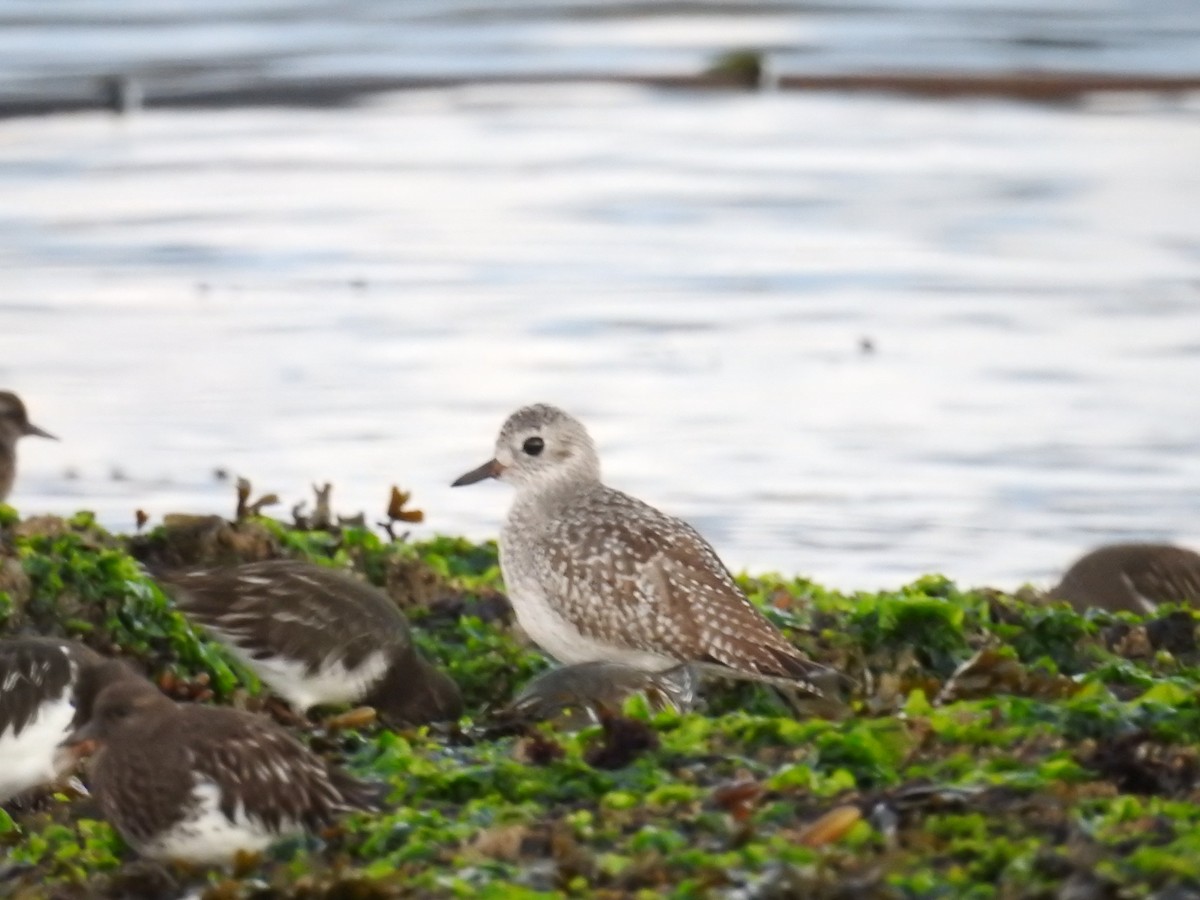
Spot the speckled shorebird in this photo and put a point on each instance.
(594, 574)
(47, 687)
(318, 636)
(14, 425)
(1131, 577)
(196, 784)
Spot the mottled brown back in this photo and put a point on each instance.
(294, 609)
(145, 776)
(1118, 576)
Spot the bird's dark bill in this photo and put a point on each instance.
(32, 430)
(490, 469)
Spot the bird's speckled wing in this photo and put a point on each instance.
(268, 775)
(622, 572)
(1166, 577)
(1134, 577)
(141, 790)
(290, 609)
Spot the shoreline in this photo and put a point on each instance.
(125, 93)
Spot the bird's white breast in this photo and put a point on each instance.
(536, 607)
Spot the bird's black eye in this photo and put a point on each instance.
(533, 446)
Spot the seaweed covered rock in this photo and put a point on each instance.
(183, 541)
(82, 584)
(991, 746)
(15, 591)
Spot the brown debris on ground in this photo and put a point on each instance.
(491, 608)
(187, 541)
(1175, 632)
(413, 583)
(739, 797)
(991, 671)
(1137, 764)
(536, 749)
(623, 741)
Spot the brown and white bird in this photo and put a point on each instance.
(14, 425)
(318, 636)
(47, 689)
(1131, 578)
(197, 784)
(594, 574)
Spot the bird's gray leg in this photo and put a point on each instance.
(680, 686)
(794, 699)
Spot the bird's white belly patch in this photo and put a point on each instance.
(34, 757)
(209, 837)
(333, 683)
(561, 640)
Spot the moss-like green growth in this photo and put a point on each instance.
(743, 68)
(989, 745)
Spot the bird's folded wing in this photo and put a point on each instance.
(263, 618)
(1163, 581)
(267, 775)
(656, 585)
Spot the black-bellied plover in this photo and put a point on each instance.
(14, 425)
(594, 574)
(47, 687)
(197, 784)
(1131, 578)
(318, 636)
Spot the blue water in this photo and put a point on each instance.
(361, 295)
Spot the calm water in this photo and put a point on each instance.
(61, 47)
(361, 295)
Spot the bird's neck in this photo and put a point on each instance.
(8, 465)
(555, 490)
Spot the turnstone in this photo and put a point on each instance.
(14, 425)
(318, 636)
(47, 687)
(1131, 577)
(594, 574)
(196, 784)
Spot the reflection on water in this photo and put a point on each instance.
(362, 295)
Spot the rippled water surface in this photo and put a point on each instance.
(360, 295)
(218, 43)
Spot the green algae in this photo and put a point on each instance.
(993, 746)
